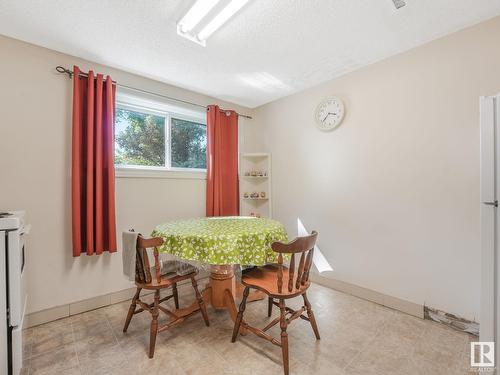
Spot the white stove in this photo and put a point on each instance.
(13, 296)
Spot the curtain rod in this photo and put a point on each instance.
(63, 70)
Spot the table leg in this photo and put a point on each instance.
(219, 293)
(255, 295)
(205, 294)
(222, 282)
(230, 305)
(223, 291)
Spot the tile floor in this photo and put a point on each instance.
(358, 337)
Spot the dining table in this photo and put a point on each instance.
(221, 245)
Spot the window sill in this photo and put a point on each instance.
(177, 174)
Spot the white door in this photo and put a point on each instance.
(496, 281)
(490, 222)
(488, 299)
(488, 218)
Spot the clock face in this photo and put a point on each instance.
(329, 113)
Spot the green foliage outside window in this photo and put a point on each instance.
(189, 144)
(140, 141)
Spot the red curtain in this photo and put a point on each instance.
(222, 162)
(93, 174)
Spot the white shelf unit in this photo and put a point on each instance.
(255, 162)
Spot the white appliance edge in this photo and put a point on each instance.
(4, 355)
(13, 291)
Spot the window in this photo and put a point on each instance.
(188, 144)
(139, 138)
(159, 137)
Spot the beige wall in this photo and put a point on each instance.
(35, 149)
(394, 192)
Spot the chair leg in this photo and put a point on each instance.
(154, 324)
(269, 306)
(239, 317)
(284, 336)
(131, 309)
(310, 314)
(176, 296)
(199, 298)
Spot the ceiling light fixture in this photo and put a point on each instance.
(197, 14)
(220, 19)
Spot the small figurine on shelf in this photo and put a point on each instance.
(254, 173)
(262, 194)
(254, 195)
(245, 195)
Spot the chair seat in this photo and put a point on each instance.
(175, 267)
(266, 280)
(169, 276)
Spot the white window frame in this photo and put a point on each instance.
(145, 104)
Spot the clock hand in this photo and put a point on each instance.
(328, 114)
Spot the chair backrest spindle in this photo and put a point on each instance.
(280, 272)
(142, 245)
(291, 272)
(307, 267)
(303, 245)
(300, 270)
(157, 265)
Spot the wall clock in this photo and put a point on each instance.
(329, 113)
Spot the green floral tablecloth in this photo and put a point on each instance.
(222, 240)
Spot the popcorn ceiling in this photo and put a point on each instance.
(270, 49)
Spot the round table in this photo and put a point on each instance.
(222, 242)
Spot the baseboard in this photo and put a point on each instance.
(64, 311)
(395, 303)
(59, 312)
(411, 308)
(451, 320)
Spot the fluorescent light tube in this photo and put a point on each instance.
(221, 18)
(199, 10)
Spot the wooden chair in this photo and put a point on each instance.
(144, 280)
(270, 280)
